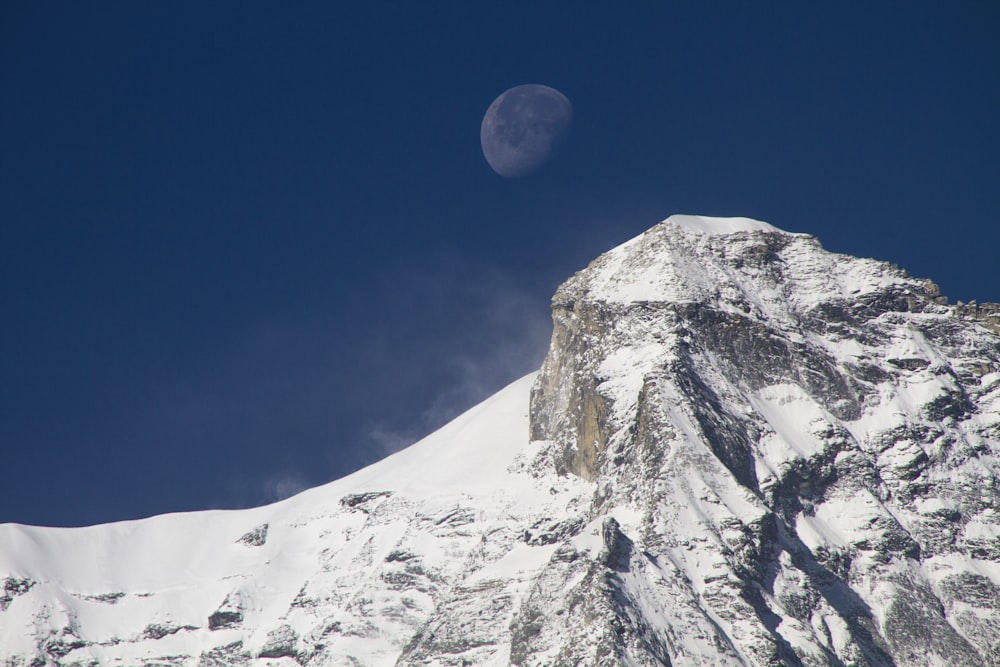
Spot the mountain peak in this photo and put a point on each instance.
(807, 412)
(735, 264)
(741, 449)
(703, 224)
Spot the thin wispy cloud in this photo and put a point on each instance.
(503, 334)
(283, 486)
(317, 397)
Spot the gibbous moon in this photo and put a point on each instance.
(523, 127)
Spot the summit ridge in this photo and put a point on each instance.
(704, 224)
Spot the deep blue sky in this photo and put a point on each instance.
(249, 247)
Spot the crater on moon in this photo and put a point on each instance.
(523, 127)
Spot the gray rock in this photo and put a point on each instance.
(282, 642)
(256, 537)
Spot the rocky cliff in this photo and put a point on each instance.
(808, 442)
(744, 450)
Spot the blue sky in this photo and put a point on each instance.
(248, 247)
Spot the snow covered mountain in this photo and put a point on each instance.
(741, 450)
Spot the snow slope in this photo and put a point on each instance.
(340, 574)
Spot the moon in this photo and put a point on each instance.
(523, 127)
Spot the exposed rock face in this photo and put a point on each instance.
(810, 441)
(744, 450)
(988, 314)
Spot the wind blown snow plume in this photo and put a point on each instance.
(740, 450)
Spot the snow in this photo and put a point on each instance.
(177, 569)
(703, 224)
(793, 415)
(469, 454)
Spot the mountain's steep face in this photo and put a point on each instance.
(744, 450)
(808, 444)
